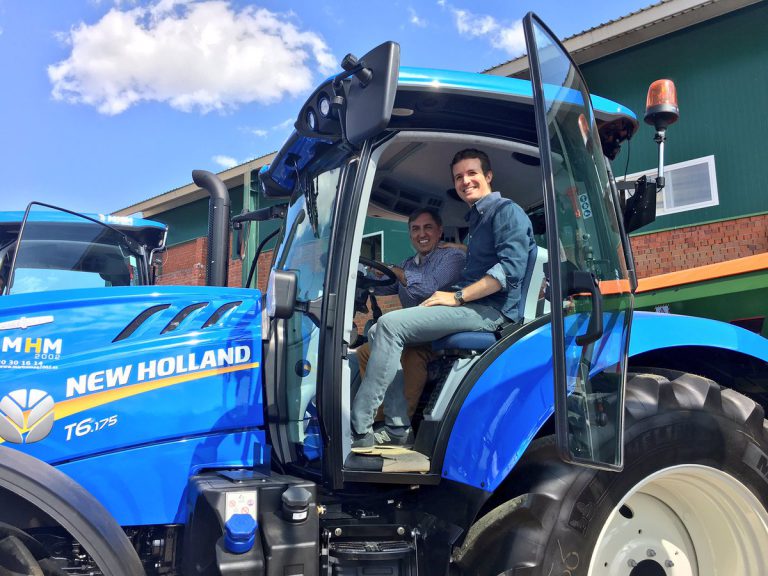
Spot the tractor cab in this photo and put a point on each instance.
(373, 144)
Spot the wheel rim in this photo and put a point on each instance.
(687, 520)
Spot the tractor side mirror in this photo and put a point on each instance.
(640, 208)
(281, 293)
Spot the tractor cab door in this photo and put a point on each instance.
(589, 283)
(321, 170)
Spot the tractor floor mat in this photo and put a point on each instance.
(387, 459)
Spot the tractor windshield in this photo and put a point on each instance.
(54, 254)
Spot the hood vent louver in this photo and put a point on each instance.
(139, 320)
(216, 316)
(179, 318)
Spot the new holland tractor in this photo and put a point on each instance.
(206, 430)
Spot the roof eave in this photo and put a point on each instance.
(653, 22)
(232, 177)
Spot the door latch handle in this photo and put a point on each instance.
(580, 282)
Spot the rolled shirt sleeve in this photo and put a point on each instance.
(511, 233)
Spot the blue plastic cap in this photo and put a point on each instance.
(240, 533)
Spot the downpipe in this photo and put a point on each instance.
(217, 263)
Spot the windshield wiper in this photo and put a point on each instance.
(289, 240)
(307, 187)
(310, 194)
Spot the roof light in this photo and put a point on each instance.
(661, 105)
(311, 119)
(324, 105)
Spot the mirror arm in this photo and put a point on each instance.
(255, 260)
(660, 138)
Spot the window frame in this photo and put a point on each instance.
(379, 233)
(663, 210)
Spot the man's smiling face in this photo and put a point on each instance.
(470, 182)
(425, 233)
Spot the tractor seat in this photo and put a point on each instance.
(471, 342)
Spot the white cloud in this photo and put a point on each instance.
(287, 123)
(508, 38)
(193, 54)
(225, 161)
(415, 20)
(511, 39)
(473, 25)
(264, 132)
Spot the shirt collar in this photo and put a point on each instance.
(484, 204)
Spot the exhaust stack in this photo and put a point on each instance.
(217, 264)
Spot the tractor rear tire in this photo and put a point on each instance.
(691, 500)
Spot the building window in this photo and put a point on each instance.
(372, 247)
(689, 185)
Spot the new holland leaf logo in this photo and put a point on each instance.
(26, 416)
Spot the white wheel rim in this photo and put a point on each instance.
(686, 520)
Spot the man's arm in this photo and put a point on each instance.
(511, 234)
(511, 229)
(443, 269)
(486, 286)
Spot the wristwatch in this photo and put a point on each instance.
(459, 297)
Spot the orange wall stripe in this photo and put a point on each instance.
(702, 273)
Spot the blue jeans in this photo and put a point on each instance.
(419, 325)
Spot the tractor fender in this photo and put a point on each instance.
(652, 331)
(509, 396)
(76, 510)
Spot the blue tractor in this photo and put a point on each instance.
(205, 431)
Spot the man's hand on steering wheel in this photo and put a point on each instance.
(363, 281)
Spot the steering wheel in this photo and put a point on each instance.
(364, 282)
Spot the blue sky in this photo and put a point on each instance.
(106, 103)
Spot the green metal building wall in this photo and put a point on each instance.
(720, 68)
(190, 221)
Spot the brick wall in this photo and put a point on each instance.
(184, 265)
(658, 253)
(691, 246)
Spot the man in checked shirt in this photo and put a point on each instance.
(434, 267)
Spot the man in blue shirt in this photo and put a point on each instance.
(432, 268)
(500, 249)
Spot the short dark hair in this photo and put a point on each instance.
(467, 153)
(431, 211)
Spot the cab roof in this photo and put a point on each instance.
(147, 232)
(435, 99)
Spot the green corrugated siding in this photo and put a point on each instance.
(720, 68)
(190, 221)
(727, 299)
(396, 243)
